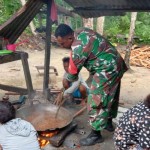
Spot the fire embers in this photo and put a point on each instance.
(45, 136)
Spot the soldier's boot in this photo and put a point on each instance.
(110, 126)
(93, 138)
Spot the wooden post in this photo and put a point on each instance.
(100, 25)
(88, 23)
(27, 77)
(46, 90)
(130, 39)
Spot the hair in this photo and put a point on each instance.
(63, 30)
(66, 60)
(7, 112)
(147, 101)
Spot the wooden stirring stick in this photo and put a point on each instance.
(60, 104)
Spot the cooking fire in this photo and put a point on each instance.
(44, 137)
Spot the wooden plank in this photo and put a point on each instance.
(12, 57)
(50, 68)
(19, 90)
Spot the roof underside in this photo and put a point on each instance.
(14, 26)
(96, 8)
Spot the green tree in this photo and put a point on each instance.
(7, 8)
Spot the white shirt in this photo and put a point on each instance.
(75, 85)
(18, 134)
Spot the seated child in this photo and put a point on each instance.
(79, 88)
(133, 130)
(15, 133)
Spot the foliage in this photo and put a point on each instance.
(7, 8)
(114, 25)
(142, 29)
(120, 25)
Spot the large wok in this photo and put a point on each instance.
(42, 116)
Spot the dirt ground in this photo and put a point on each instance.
(134, 86)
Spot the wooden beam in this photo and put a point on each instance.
(27, 76)
(12, 57)
(47, 51)
(20, 90)
(63, 11)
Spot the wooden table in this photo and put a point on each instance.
(23, 56)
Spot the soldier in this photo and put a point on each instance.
(101, 59)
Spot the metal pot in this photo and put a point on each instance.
(42, 116)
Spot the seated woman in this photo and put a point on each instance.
(79, 88)
(15, 133)
(133, 131)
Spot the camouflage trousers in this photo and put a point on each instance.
(103, 100)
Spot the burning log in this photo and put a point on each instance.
(59, 138)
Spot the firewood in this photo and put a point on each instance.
(58, 139)
(140, 57)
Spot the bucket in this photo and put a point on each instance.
(12, 47)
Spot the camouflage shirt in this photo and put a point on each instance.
(95, 53)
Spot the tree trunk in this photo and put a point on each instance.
(66, 20)
(100, 25)
(88, 23)
(40, 19)
(130, 39)
(31, 23)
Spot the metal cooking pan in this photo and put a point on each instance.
(42, 116)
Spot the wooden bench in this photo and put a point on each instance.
(52, 70)
(23, 56)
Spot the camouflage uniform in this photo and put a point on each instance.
(101, 59)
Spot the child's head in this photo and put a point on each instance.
(66, 63)
(147, 101)
(7, 112)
